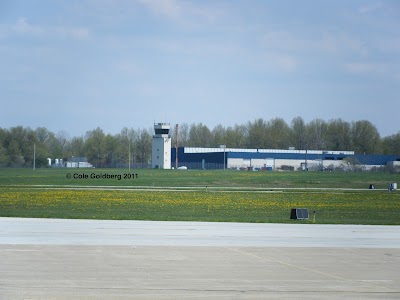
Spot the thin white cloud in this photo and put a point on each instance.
(127, 66)
(323, 42)
(170, 8)
(286, 63)
(370, 7)
(366, 67)
(23, 27)
(389, 44)
(71, 32)
(185, 13)
(278, 62)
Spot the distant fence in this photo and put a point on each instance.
(123, 165)
(200, 166)
(189, 165)
(133, 166)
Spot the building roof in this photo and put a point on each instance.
(77, 159)
(275, 151)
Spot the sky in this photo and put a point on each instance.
(75, 65)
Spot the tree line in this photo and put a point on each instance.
(106, 150)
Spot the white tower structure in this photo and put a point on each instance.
(161, 147)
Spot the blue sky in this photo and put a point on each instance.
(75, 65)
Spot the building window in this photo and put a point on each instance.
(161, 131)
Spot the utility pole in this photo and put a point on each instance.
(34, 156)
(129, 153)
(176, 146)
(306, 166)
(223, 146)
(224, 155)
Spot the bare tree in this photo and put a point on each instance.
(316, 134)
(200, 136)
(143, 145)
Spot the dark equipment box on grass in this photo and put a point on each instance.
(299, 214)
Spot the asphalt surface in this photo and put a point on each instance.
(90, 259)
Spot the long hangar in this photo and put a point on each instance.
(270, 159)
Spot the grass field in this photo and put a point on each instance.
(193, 195)
(198, 178)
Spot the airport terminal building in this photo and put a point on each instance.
(274, 159)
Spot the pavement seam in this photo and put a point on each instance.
(309, 269)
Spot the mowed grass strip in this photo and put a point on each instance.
(198, 178)
(369, 207)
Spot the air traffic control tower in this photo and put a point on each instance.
(161, 147)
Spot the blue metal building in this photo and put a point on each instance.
(218, 158)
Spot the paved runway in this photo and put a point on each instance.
(64, 259)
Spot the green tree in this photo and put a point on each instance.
(15, 154)
(45, 141)
(256, 137)
(277, 134)
(75, 147)
(110, 147)
(365, 137)
(95, 147)
(20, 143)
(338, 135)
(54, 147)
(391, 144)
(43, 135)
(298, 133)
(4, 159)
(41, 155)
(62, 138)
(218, 135)
(236, 136)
